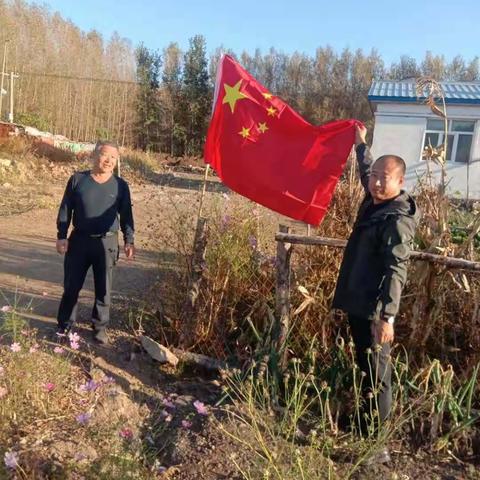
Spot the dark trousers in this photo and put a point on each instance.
(84, 252)
(375, 362)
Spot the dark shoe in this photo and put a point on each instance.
(100, 335)
(382, 456)
(62, 332)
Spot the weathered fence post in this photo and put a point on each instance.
(189, 313)
(282, 300)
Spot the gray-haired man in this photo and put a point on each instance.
(99, 203)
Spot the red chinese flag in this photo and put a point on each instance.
(265, 151)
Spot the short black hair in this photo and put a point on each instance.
(399, 161)
(105, 143)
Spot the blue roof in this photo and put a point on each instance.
(405, 91)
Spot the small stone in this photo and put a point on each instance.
(157, 351)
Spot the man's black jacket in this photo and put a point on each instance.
(374, 266)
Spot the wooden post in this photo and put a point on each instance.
(196, 275)
(282, 300)
(204, 189)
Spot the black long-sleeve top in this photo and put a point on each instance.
(96, 207)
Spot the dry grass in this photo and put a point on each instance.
(58, 420)
(440, 309)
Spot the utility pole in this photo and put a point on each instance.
(10, 115)
(3, 75)
(12, 76)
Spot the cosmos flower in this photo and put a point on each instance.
(83, 418)
(49, 387)
(11, 459)
(200, 407)
(126, 433)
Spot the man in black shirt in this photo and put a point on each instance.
(96, 199)
(373, 273)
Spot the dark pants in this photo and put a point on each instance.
(84, 252)
(376, 385)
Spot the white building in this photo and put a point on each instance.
(404, 125)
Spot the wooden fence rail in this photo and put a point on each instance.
(450, 262)
(285, 240)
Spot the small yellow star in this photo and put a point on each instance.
(271, 111)
(245, 132)
(232, 94)
(263, 127)
(267, 95)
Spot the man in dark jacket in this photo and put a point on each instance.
(99, 204)
(374, 270)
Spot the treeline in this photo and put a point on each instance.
(161, 100)
(323, 87)
(50, 55)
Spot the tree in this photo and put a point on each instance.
(173, 133)
(196, 95)
(404, 69)
(148, 104)
(434, 66)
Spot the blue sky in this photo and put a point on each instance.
(393, 28)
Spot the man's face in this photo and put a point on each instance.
(386, 180)
(106, 159)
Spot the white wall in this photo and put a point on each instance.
(399, 129)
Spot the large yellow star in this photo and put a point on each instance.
(267, 95)
(271, 111)
(245, 132)
(263, 127)
(232, 94)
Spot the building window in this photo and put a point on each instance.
(459, 141)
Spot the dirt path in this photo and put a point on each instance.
(31, 276)
(30, 268)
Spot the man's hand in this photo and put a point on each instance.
(129, 251)
(382, 332)
(62, 246)
(360, 135)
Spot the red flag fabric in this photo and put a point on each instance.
(265, 151)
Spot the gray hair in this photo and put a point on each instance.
(105, 143)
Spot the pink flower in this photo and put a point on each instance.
(74, 346)
(74, 337)
(186, 424)
(3, 392)
(83, 418)
(126, 433)
(34, 348)
(168, 403)
(15, 347)
(49, 387)
(58, 350)
(200, 407)
(11, 459)
(6, 308)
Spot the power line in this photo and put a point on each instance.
(70, 77)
